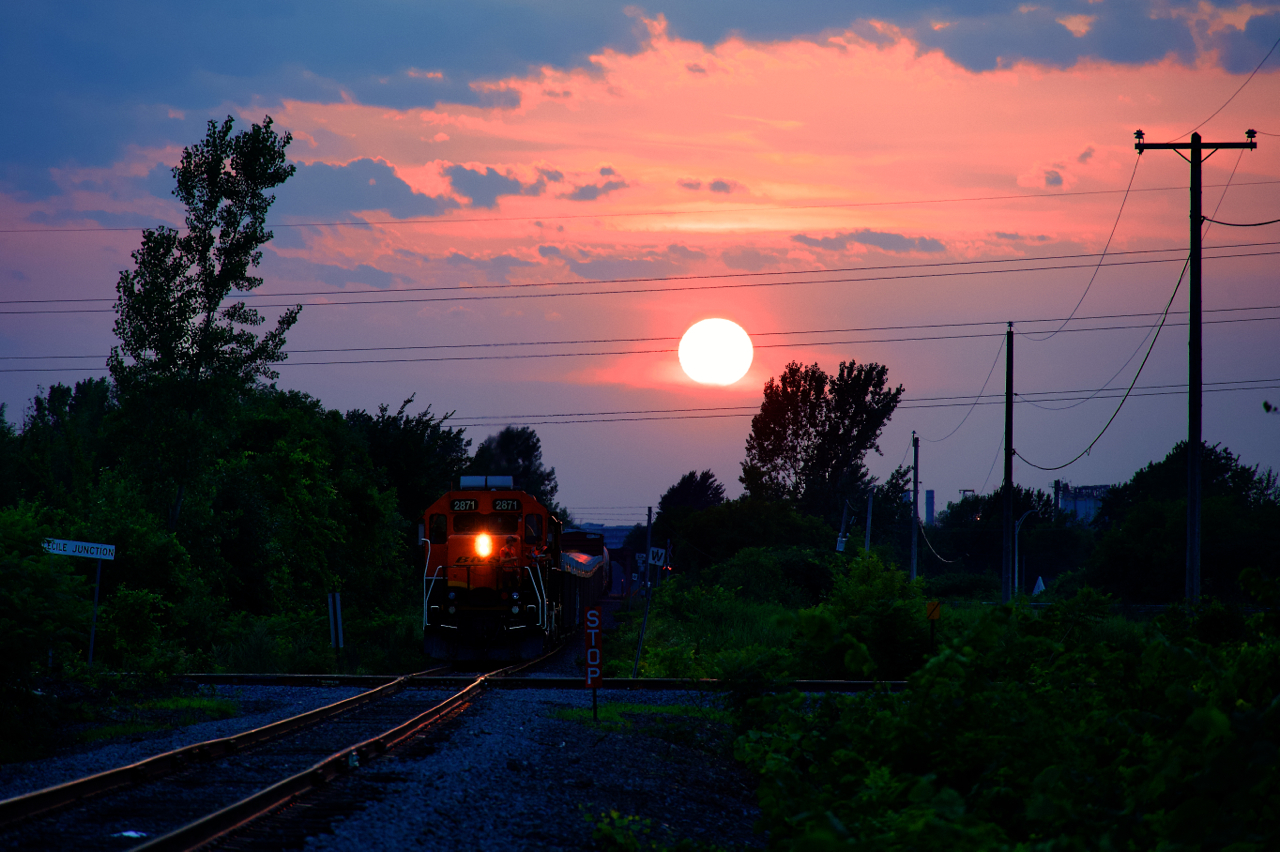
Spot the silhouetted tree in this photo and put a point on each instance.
(184, 356)
(420, 453)
(813, 431)
(516, 451)
(693, 491)
(1141, 553)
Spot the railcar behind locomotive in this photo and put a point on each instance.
(497, 582)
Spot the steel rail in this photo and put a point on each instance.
(205, 830)
(42, 801)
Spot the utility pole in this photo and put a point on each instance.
(1196, 147)
(915, 500)
(1006, 572)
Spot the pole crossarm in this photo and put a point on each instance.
(1186, 146)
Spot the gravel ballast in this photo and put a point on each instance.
(259, 705)
(508, 774)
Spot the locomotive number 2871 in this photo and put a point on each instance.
(506, 505)
(464, 505)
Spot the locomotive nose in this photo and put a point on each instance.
(484, 545)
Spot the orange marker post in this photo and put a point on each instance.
(592, 641)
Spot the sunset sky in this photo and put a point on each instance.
(886, 182)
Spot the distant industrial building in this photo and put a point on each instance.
(1083, 501)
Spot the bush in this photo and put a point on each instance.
(1061, 729)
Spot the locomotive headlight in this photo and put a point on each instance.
(484, 545)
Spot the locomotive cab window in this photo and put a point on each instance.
(533, 529)
(504, 524)
(465, 524)
(439, 529)
(478, 523)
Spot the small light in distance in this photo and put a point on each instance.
(716, 352)
(484, 545)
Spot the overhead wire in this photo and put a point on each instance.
(1125, 398)
(660, 290)
(663, 278)
(1102, 257)
(526, 356)
(1240, 224)
(990, 373)
(1248, 80)
(659, 339)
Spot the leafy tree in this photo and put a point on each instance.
(516, 451)
(1142, 528)
(183, 356)
(813, 431)
(63, 444)
(420, 454)
(9, 456)
(694, 492)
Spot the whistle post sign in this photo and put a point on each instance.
(592, 635)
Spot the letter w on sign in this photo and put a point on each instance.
(592, 641)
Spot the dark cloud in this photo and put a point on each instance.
(1240, 52)
(549, 251)
(85, 80)
(685, 253)
(552, 175)
(1085, 155)
(1052, 177)
(694, 68)
(494, 268)
(483, 188)
(321, 192)
(499, 98)
(591, 191)
(301, 270)
(607, 171)
(102, 217)
(721, 186)
(602, 266)
(689, 183)
(1039, 238)
(752, 260)
(878, 239)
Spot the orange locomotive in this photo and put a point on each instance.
(497, 583)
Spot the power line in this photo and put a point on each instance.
(612, 340)
(664, 278)
(907, 404)
(635, 290)
(1233, 94)
(365, 223)
(1102, 257)
(525, 356)
(1115, 413)
(990, 373)
(1240, 224)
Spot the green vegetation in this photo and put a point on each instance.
(1059, 726)
(234, 506)
(617, 715)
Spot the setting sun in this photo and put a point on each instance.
(715, 352)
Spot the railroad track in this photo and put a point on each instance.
(190, 797)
